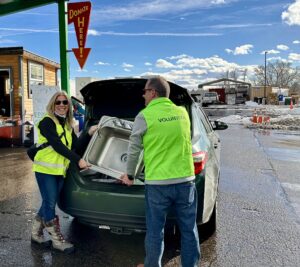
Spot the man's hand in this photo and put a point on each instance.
(125, 180)
(83, 164)
(93, 129)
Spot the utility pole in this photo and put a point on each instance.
(265, 87)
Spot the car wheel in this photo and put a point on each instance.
(207, 229)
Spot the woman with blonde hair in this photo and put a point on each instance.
(50, 166)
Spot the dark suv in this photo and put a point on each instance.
(99, 199)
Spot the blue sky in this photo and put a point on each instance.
(188, 42)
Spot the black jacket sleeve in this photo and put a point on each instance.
(48, 130)
(82, 142)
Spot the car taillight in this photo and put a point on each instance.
(200, 159)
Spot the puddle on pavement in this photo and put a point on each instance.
(288, 141)
(285, 133)
(293, 143)
(283, 154)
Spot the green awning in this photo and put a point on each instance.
(13, 6)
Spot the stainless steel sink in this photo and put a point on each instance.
(107, 150)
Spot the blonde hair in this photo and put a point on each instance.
(51, 108)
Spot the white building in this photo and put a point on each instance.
(80, 82)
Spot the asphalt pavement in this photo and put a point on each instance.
(258, 220)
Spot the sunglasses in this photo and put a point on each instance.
(64, 102)
(147, 89)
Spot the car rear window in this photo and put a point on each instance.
(199, 131)
(204, 120)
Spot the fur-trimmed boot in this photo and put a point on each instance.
(37, 235)
(58, 241)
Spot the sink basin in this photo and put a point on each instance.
(107, 150)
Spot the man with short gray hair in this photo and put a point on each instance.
(162, 129)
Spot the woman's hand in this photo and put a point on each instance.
(83, 164)
(93, 129)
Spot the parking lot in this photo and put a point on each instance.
(257, 223)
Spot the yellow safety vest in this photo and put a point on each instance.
(167, 142)
(47, 160)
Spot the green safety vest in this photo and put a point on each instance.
(47, 160)
(167, 141)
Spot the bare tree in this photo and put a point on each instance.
(295, 89)
(231, 74)
(234, 74)
(279, 74)
(244, 74)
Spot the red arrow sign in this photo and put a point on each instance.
(79, 14)
(81, 54)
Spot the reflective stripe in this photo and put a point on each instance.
(170, 181)
(51, 165)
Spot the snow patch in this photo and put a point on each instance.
(280, 118)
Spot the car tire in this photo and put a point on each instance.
(208, 229)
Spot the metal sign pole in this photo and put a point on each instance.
(63, 42)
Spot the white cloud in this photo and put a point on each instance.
(296, 42)
(243, 49)
(6, 41)
(240, 50)
(100, 63)
(177, 57)
(282, 47)
(189, 71)
(25, 30)
(126, 65)
(81, 70)
(127, 70)
(233, 26)
(292, 15)
(150, 9)
(187, 81)
(217, 2)
(276, 59)
(162, 63)
(272, 51)
(148, 64)
(211, 64)
(294, 57)
(171, 34)
(93, 32)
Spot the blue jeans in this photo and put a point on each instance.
(159, 199)
(50, 187)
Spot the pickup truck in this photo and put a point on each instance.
(209, 98)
